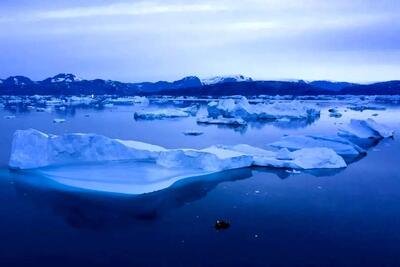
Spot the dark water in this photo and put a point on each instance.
(349, 217)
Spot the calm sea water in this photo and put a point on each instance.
(349, 217)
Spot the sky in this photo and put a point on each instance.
(132, 41)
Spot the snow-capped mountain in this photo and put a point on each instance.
(69, 84)
(226, 79)
(17, 81)
(63, 78)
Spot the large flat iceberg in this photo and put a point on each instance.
(34, 149)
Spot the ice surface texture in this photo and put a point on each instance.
(34, 149)
(241, 108)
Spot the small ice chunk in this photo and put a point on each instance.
(222, 120)
(192, 110)
(8, 117)
(59, 120)
(193, 133)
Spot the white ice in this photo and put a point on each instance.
(34, 149)
(161, 114)
(340, 145)
(365, 129)
(305, 158)
(241, 108)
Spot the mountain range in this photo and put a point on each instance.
(69, 84)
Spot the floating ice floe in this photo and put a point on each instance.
(222, 120)
(366, 129)
(161, 114)
(54, 102)
(230, 108)
(129, 100)
(43, 109)
(34, 149)
(362, 107)
(58, 120)
(305, 158)
(108, 105)
(80, 100)
(8, 117)
(192, 110)
(340, 145)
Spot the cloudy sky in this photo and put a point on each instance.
(356, 40)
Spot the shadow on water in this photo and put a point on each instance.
(98, 210)
(94, 210)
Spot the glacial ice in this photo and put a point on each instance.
(362, 107)
(305, 158)
(34, 149)
(340, 145)
(130, 100)
(241, 108)
(161, 114)
(58, 120)
(365, 129)
(210, 159)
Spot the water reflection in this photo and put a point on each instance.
(93, 210)
(106, 210)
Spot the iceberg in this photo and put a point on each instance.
(340, 145)
(161, 114)
(192, 110)
(241, 108)
(210, 159)
(34, 149)
(130, 100)
(305, 158)
(362, 107)
(366, 129)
